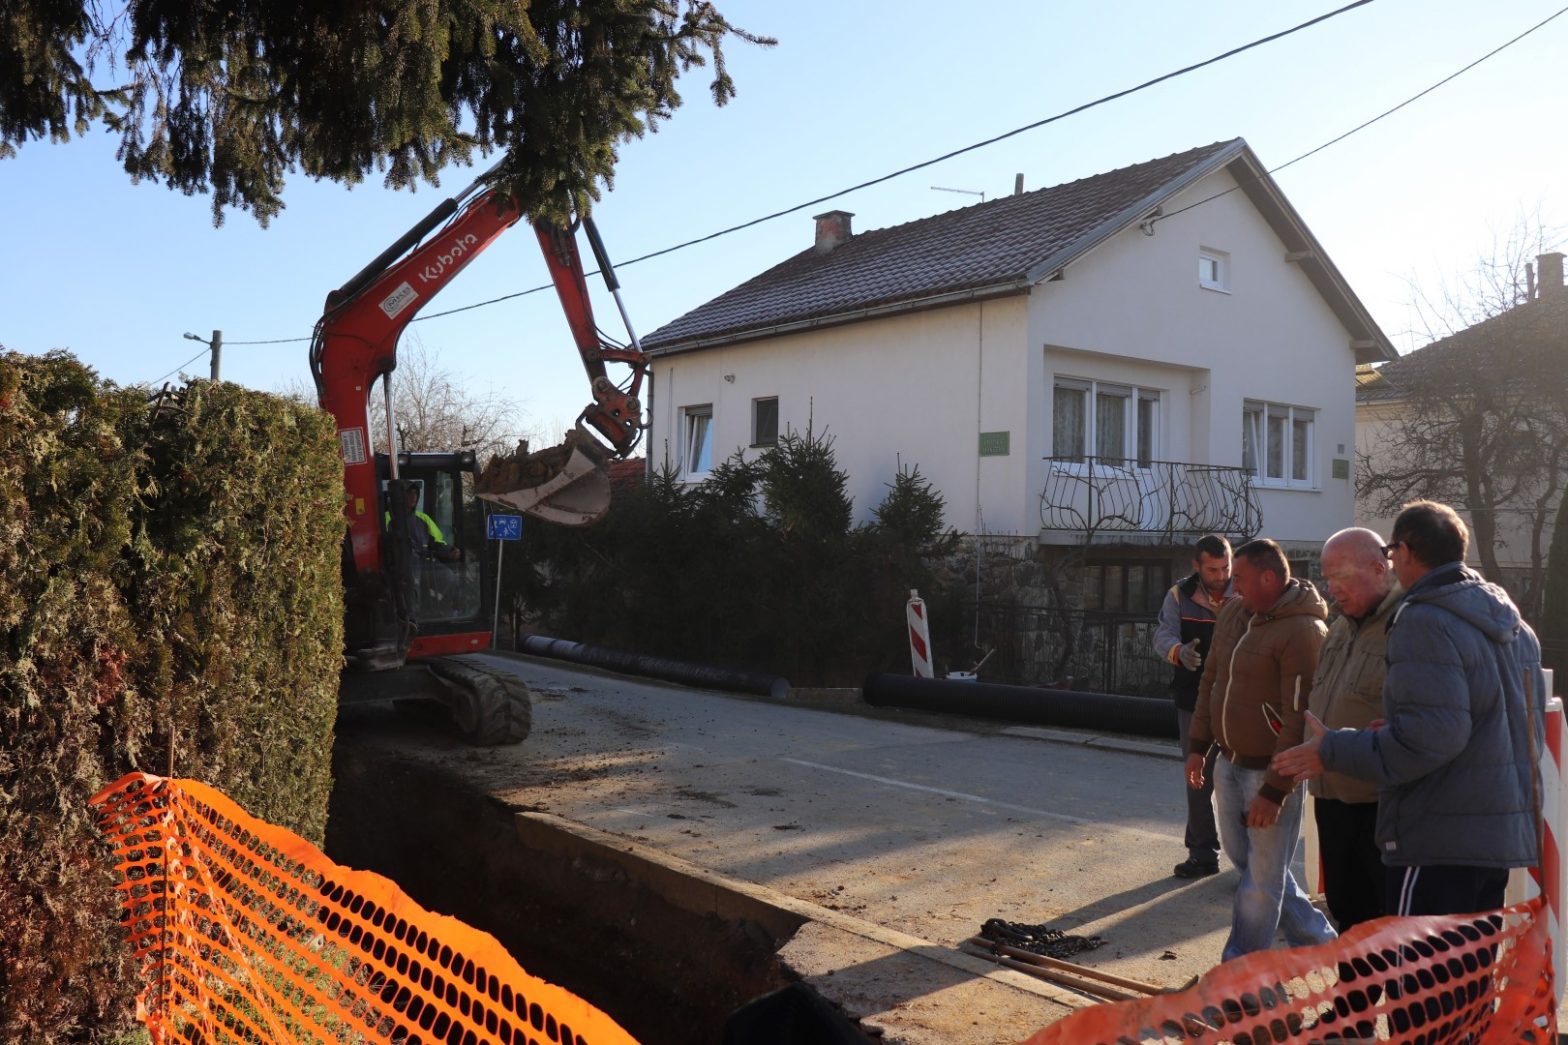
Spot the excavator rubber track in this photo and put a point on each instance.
(489, 707)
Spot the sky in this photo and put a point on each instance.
(117, 272)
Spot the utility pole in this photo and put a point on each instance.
(216, 344)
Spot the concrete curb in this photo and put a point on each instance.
(1152, 748)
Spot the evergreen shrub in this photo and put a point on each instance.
(166, 569)
(758, 567)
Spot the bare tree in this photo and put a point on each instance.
(1479, 417)
(434, 411)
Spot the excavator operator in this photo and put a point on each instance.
(424, 535)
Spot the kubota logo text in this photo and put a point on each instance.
(454, 254)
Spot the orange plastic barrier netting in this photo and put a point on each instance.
(247, 933)
(1434, 980)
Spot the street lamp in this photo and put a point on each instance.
(216, 344)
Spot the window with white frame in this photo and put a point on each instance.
(1213, 269)
(1278, 443)
(765, 421)
(697, 439)
(1110, 423)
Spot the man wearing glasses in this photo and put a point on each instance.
(1347, 692)
(1256, 682)
(1456, 761)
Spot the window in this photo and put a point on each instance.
(697, 440)
(1125, 585)
(1277, 444)
(765, 422)
(1112, 424)
(1213, 269)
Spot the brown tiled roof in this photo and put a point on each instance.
(1524, 338)
(987, 245)
(629, 471)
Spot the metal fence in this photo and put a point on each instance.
(1081, 649)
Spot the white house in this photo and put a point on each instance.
(1127, 361)
(1413, 424)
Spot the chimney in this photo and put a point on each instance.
(832, 229)
(1549, 274)
(1018, 184)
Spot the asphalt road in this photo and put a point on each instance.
(927, 830)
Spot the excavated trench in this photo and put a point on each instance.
(668, 957)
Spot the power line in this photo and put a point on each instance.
(1039, 123)
(1009, 134)
(906, 170)
(182, 366)
(1363, 126)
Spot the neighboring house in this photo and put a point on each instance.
(1092, 374)
(1478, 419)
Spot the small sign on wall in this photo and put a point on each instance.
(1341, 468)
(994, 444)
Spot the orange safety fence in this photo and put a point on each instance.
(1436, 980)
(247, 933)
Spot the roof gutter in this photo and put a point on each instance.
(956, 297)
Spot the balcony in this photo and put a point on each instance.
(1160, 502)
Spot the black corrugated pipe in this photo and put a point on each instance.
(667, 668)
(1045, 707)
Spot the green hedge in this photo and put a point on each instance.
(167, 568)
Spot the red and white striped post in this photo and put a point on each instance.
(1547, 878)
(919, 636)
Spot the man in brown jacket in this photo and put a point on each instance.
(1256, 682)
(1347, 693)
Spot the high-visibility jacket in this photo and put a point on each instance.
(432, 535)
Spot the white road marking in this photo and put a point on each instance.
(965, 797)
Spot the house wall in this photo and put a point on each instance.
(1374, 426)
(1132, 311)
(913, 389)
(921, 388)
(1377, 423)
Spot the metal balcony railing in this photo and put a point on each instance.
(1161, 499)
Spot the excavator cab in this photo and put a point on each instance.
(442, 570)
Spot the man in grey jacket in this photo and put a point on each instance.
(1456, 760)
(1347, 691)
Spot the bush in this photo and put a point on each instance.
(165, 570)
(758, 567)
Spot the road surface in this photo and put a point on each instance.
(928, 830)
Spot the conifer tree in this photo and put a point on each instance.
(229, 98)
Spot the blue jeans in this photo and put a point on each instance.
(1268, 900)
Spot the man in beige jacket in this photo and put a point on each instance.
(1251, 701)
(1347, 693)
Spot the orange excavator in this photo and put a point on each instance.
(413, 570)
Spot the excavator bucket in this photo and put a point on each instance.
(567, 484)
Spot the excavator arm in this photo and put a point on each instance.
(355, 343)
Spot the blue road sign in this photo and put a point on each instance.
(504, 527)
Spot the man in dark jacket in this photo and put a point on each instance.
(1182, 637)
(1254, 691)
(1456, 760)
